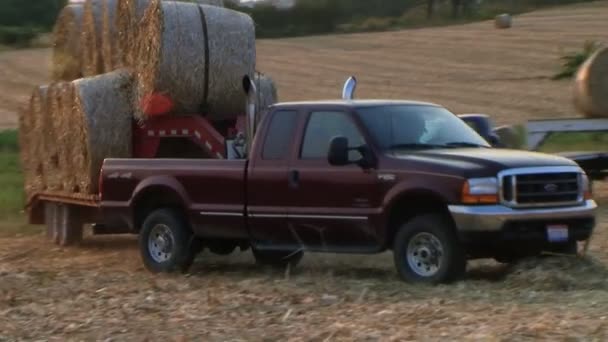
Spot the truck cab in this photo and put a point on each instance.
(354, 176)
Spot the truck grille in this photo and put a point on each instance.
(536, 187)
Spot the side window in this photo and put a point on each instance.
(280, 132)
(322, 127)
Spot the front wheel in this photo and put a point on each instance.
(427, 250)
(166, 242)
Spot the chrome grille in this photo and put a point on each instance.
(542, 186)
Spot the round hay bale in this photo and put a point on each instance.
(110, 54)
(503, 21)
(103, 114)
(65, 135)
(66, 44)
(90, 38)
(129, 14)
(196, 55)
(51, 127)
(267, 94)
(39, 112)
(591, 85)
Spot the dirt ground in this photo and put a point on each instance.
(468, 68)
(100, 291)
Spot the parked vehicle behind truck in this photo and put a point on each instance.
(353, 176)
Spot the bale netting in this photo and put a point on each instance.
(129, 13)
(102, 110)
(90, 38)
(66, 44)
(110, 54)
(591, 85)
(267, 94)
(196, 55)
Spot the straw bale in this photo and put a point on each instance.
(30, 142)
(65, 135)
(591, 85)
(66, 44)
(232, 54)
(102, 109)
(110, 54)
(90, 39)
(503, 21)
(50, 129)
(129, 14)
(199, 75)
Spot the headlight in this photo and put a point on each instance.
(480, 190)
(587, 187)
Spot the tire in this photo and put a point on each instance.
(277, 259)
(427, 250)
(166, 242)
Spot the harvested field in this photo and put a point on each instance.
(469, 68)
(100, 291)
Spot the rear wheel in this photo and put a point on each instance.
(278, 259)
(166, 242)
(427, 250)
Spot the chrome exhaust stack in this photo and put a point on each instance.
(348, 91)
(250, 110)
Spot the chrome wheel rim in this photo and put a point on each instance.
(425, 254)
(160, 243)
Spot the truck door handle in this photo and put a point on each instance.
(294, 179)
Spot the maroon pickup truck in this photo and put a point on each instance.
(354, 176)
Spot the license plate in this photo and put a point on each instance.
(557, 233)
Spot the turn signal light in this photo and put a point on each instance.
(469, 197)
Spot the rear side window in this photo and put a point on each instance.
(280, 132)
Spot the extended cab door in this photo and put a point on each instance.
(267, 183)
(330, 207)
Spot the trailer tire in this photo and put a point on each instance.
(427, 250)
(50, 221)
(166, 242)
(69, 227)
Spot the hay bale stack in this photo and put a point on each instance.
(102, 110)
(66, 44)
(503, 21)
(591, 85)
(267, 93)
(200, 70)
(90, 38)
(110, 54)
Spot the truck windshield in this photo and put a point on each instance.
(418, 127)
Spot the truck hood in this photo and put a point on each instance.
(479, 162)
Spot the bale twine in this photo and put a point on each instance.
(196, 55)
(90, 38)
(591, 85)
(110, 54)
(129, 13)
(267, 94)
(102, 109)
(66, 44)
(503, 21)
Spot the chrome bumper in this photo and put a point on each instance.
(491, 218)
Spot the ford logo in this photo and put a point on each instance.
(551, 187)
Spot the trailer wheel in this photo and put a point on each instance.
(166, 243)
(50, 221)
(70, 230)
(427, 250)
(277, 259)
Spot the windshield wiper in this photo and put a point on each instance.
(464, 144)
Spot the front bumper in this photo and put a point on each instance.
(498, 218)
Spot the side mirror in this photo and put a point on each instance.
(338, 151)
